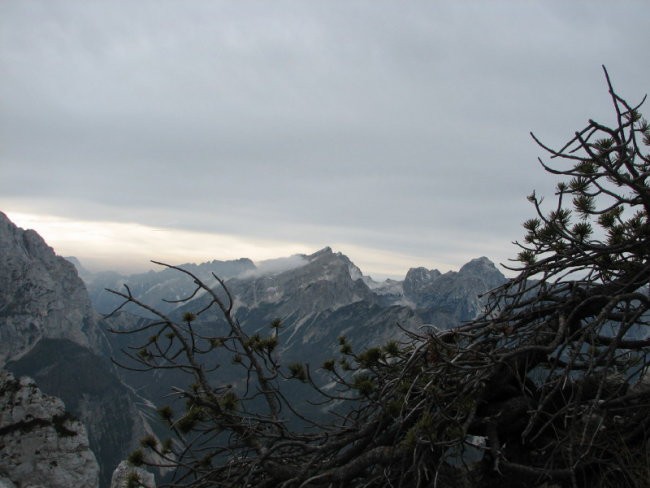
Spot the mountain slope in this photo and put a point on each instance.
(49, 330)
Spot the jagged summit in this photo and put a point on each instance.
(327, 257)
(417, 282)
(480, 265)
(26, 243)
(41, 295)
(326, 251)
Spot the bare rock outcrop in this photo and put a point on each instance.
(40, 444)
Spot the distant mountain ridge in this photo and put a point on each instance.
(323, 298)
(154, 286)
(456, 293)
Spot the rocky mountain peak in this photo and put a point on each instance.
(326, 264)
(454, 293)
(479, 266)
(418, 281)
(326, 252)
(325, 280)
(418, 276)
(41, 295)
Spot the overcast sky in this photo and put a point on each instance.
(395, 132)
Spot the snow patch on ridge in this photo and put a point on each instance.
(355, 272)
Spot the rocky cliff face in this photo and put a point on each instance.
(40, 445)
(49, 330)
(41, 296)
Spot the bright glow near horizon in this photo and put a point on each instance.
(130, 247)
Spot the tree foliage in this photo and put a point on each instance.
(548, 385)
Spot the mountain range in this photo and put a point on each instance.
(52, 326)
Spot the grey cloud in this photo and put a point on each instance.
(398, 125)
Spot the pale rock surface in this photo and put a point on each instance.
(124, 473)
(40, 445)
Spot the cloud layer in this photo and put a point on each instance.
(388, 127)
